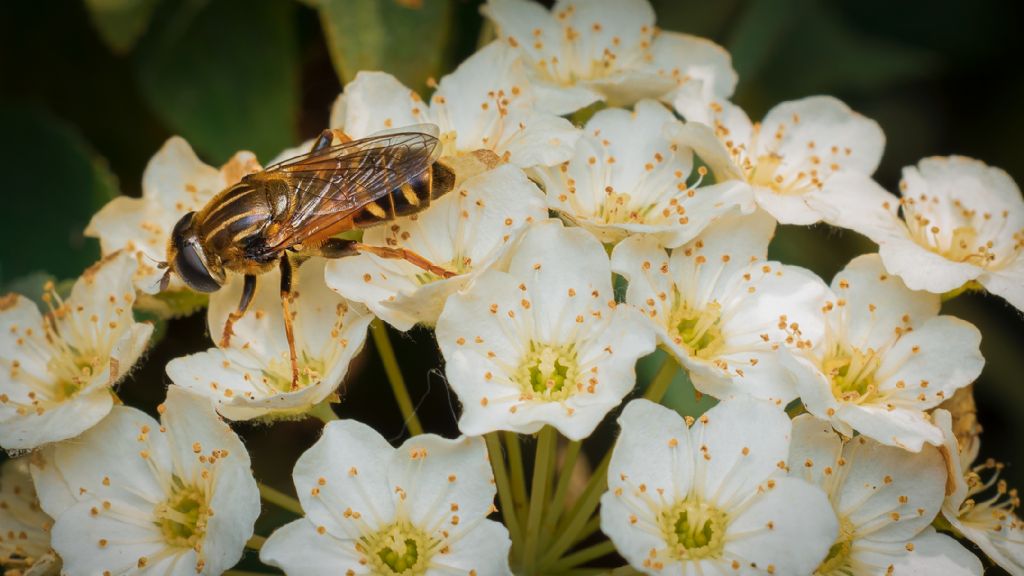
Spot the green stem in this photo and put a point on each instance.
(280, 499)
(554, 511)
(256, 542)
(394, 373)
(508, 508)
(582, 556)
(248, 573)
(515, 462)
(580, 512)
(661, 381)
(538, 498)
(323, 411)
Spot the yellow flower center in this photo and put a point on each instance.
(182, 517)
(694, 530)
(699, 331)
(548, 371)
(279, 373)
(838, 559)
(399, 548)
(852, 373)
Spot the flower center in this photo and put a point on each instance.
(279, 373)
(694, 530)
(839, 554)
(549, 371)
(698, 331)
(400, 548)
(852, 373)
(182, 517)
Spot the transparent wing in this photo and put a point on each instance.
(326, 186)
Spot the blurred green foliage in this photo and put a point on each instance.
(91, 88)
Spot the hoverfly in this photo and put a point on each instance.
(292, 210)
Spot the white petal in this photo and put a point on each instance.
(800, 535)
(562, 100)
(956, 463)
(376, 101)
(887, 493)
(653, 450)
(543, 140)
(786, 208)
(840, 135)
(1007, 282)
(922, 269)
(352, 460)
(482, 550)
(21, 514)
(702, 68)
(933, 361)
(739, 443)
(906, 428)
(698, 135)
(580, 264)
(877, 303)
(78, 532)
(630, 86)
(446, 483)
(928, 553)
(177, 180)
(192, 424)
(59, 422)
(141, 226)
(1002, 546)
(298, 548)
(814, 452)
(853, 200)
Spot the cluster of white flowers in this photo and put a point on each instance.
(609, 200)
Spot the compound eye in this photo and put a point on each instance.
(190, 267)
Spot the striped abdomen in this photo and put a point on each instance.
(409, 198)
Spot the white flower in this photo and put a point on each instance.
(57, 369)
(24, 527)
(485, 112)
(985, 518)
(886, 358)
(885, 499)
(420, 510)
(466, 232)
(608, 50)
(789, 159)
(962, 222)
(252, 377)
(627, 178)
(721, 309)
(175, 182)
(487, 103)
(711, 497)
(543, 343)
(175, 497)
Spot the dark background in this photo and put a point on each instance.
(86, 98)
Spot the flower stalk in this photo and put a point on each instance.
(546, 442)
(394, 373)
(280, 499)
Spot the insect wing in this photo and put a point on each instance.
(330, 184)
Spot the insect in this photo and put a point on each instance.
(292, 210)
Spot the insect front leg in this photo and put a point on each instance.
(248, 289)
(327, 137)
(286, 294)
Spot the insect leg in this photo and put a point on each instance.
(403, 254)
(326, 138)
(286, 294)
(248, 289)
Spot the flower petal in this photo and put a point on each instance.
(928, 553)
(445, 484)
(741, 443)
(351, 458)
(815, 452)
(877, 303)
(702, 69)
(299, 548)
(376, 101)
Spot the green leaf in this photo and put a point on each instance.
(224, 75)
(121, 22)
(54, 182)
(406, 38)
